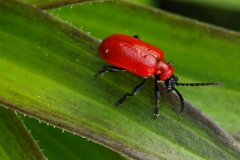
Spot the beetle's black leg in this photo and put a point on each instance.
(136, 36)
(135, 91)
(157, 96)
(110, 69)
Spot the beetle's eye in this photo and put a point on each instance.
(170, 63)
(176, 78)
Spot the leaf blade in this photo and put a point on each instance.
(63, 92)
(12, 146)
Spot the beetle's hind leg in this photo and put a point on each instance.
(136, 36)
(135, 91)
(109, 69)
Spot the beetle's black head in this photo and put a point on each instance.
(170, 83)
(173, 80)
(170, 86)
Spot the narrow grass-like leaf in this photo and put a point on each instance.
(50, 76)
(15, 140)
(200, 52)
(44, 4)
(59, 144)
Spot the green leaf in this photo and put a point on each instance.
(53, 140)
(44, 4)
(200, 52)
(50, 76)
(15, 140)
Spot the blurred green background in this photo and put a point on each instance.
(220, 13)
(217, 12)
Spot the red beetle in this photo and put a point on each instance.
(136, 56)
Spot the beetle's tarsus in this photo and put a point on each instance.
(135, 91)
(100, 73)
(109, 69)
(156, 112)
(120, 101)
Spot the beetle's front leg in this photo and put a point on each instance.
(157, 96)
(110, 69)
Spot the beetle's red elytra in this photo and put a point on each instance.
(135, 56)
(127, 53)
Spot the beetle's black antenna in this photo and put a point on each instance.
(200, 84)
(192, 85)
(181, 99)
(170, 86)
